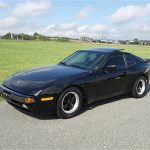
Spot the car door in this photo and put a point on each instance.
(116, 80)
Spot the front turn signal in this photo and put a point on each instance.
(29, 100)
(47, 99)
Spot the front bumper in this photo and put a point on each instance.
(17, 99)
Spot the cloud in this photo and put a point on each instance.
(68, 26)
(129, 13)
(7, 22)
(73, 30)
(98, 28)
(2, 4)
(21, 20)
(143, 27)
(84, 12)
(50, 26)
(31, 8)
(82, 28)
(24, 11)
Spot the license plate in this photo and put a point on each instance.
(5, 96)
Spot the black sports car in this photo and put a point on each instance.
(82, 78)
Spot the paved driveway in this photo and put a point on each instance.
(118, 123)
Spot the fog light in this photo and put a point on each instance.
(24, 106)
(29, 100)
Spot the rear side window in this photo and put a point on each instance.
(140, 59)
(117, 60)
(130, 60)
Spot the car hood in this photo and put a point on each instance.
(33, 80)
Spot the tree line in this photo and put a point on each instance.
(35, 36)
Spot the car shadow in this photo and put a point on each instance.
(84, 109)
(36, 116)
(109, 100)
(104, 102)
(148, 88)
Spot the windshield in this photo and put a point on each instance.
(85, 59)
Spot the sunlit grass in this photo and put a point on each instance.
(16, 56)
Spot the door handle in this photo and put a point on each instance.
(105, 72)
(124, 73)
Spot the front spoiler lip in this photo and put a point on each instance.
(47, 107)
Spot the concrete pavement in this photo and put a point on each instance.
(118, 123)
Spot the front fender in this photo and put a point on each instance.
(59, 86)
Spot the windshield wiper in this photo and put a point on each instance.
(72, 65)
(77, 66)
(62, 63)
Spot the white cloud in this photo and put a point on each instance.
(68, 26)
(99, 28)
(7, 22)
(140, 30)
(129, 13)
(84, 12)
(143, 27)
(74, 30)
(82, 28)
(31, 8)
(2, 4)
(20, 20)
(24, 11)
(51, 26)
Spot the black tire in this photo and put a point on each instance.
(74, 95)
(137, 93)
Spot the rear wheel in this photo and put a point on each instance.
(69, 103)
(140, 88)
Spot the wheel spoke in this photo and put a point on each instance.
(69, 106)
(140, 87)
(66, 107)
(69, 96)
(73, 100)
(70, 102)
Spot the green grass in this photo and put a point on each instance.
(16, 56)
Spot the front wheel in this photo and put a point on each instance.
(140, 88)
(69, 103)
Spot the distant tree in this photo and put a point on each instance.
(27, 37)
(20, 36)
(94, 41)
(147, 43)
(44, 38)
(63, 39)
(36, 36)
(40, 37)
(123, 42)
(6, 36)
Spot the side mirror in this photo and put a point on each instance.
(111, 68)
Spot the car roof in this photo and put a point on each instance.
(104, 50)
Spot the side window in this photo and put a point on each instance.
(130, 60)
(117, 60)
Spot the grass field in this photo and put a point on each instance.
(16, 56)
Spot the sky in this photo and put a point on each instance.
(110, 19)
